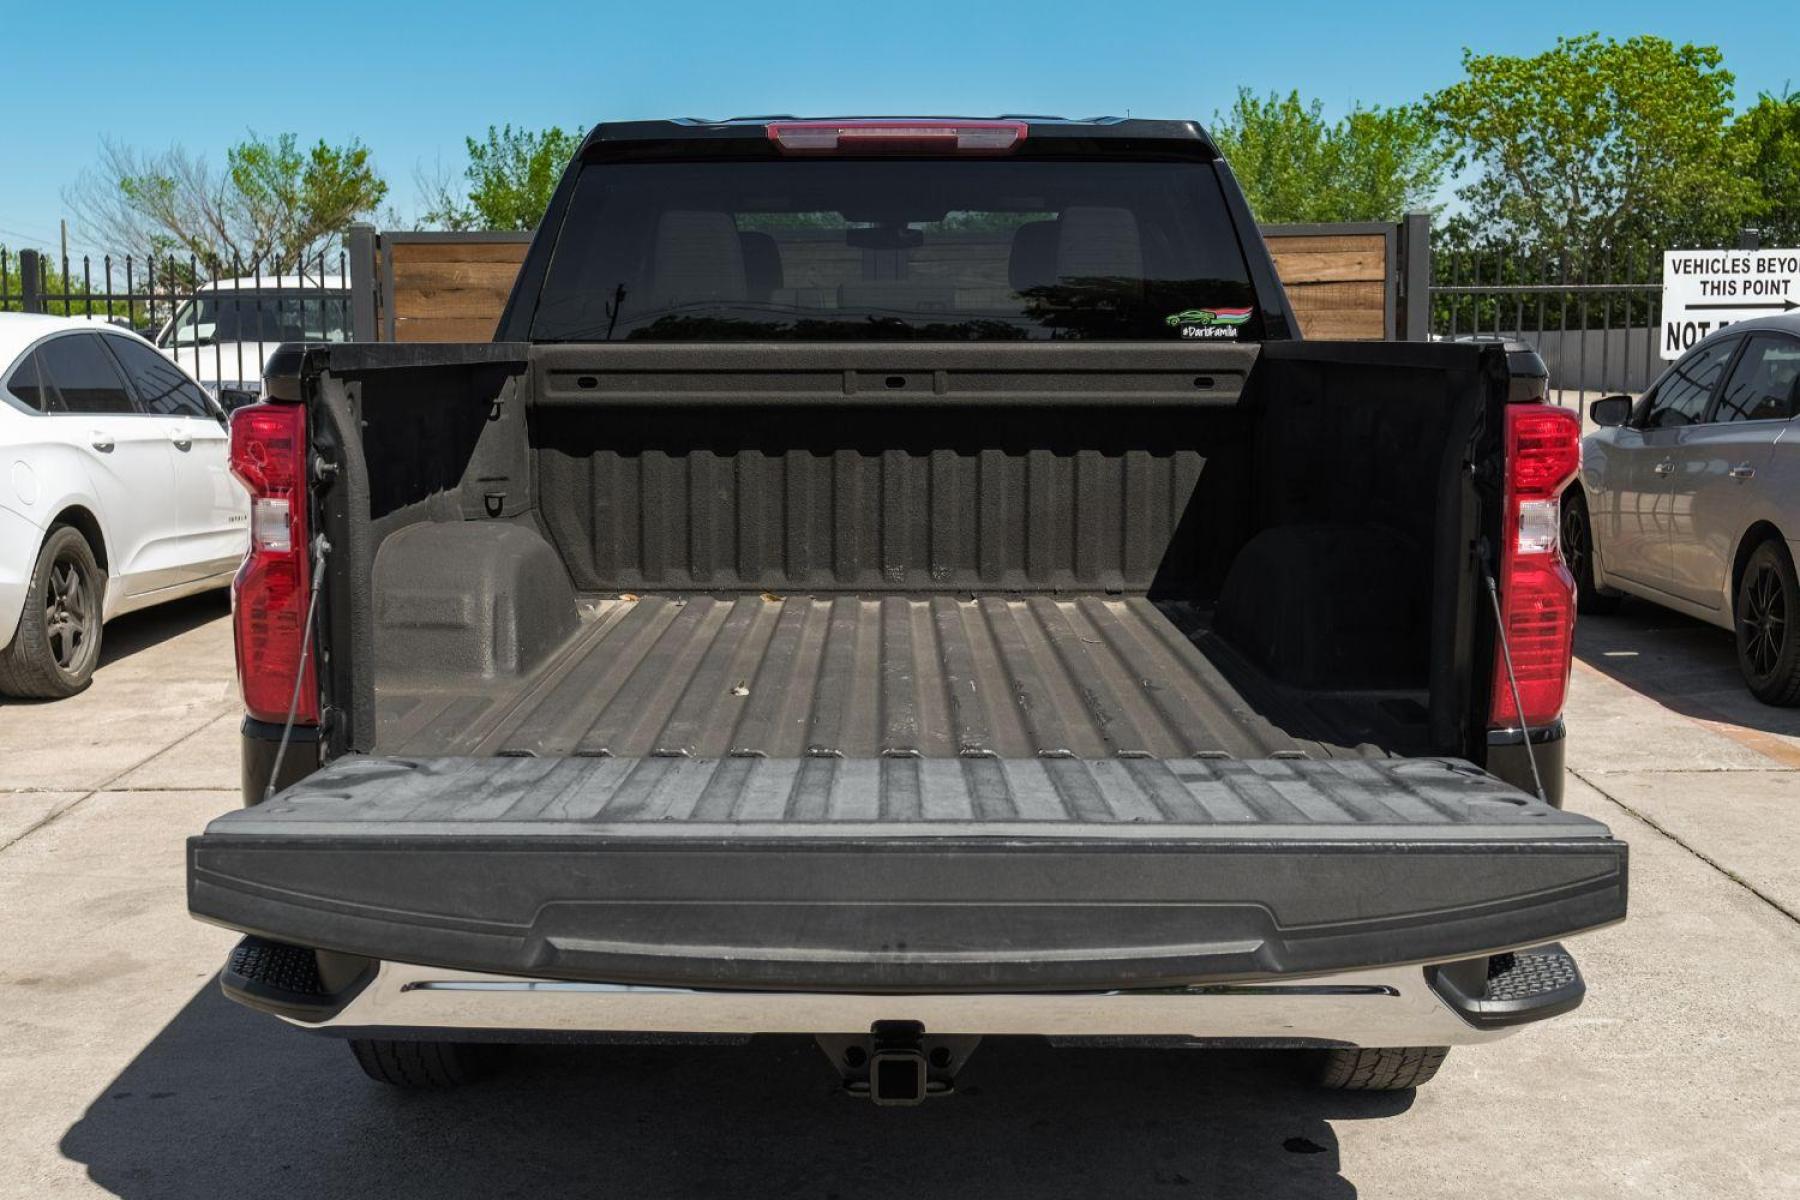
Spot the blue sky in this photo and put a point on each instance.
(411, 78)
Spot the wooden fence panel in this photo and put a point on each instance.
(1338, 282)
(447, 289)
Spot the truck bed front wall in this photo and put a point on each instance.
(1122, 873)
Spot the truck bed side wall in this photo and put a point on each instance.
(416, 434)
(1406, 436)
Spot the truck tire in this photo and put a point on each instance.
(424, 1066)
(56, 646)
(1768, 647)
(1389, 1069)
(1578, 551)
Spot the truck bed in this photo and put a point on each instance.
(1089, 676)
(702, 667)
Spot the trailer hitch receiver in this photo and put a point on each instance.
(896, 1064)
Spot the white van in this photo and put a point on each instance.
(224, 335)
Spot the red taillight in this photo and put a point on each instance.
(270, 593)
(1543, 447)
(897, 137)
(1537, 593)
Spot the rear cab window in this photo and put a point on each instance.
(897, 249)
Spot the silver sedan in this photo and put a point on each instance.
(1690, 497)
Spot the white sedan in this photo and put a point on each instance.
(114, 494)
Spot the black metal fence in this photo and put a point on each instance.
(218, 319)
(1596, 328)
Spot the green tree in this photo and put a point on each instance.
(1595, 148)
(1375, 164)
(510, 177)
(274, 202)
(1764, 145)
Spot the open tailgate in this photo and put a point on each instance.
(906, 874)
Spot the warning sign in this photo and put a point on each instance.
(1704, 290)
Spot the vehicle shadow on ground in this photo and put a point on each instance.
(1683, 664)
(226, 1102)
(136, 632)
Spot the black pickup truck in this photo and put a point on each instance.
(900, 581)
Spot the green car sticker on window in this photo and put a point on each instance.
(1210, 316)
(1212, 323)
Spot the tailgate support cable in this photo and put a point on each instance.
(319, 548)
(1512, 679)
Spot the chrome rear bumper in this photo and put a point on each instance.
(1386, 1007)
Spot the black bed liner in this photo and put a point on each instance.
(865, 676)
(906, 873)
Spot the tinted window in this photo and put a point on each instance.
(86, 378)
(161, 387)
(961, 249)
(25, 386)
(1682, 397)
(1761, 387)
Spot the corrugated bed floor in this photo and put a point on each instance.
(864, 677)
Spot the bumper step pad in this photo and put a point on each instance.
(1530, 975)
(294, 981)
(1528, 985)
(276, 967)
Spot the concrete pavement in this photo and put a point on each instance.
(123, 1072)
